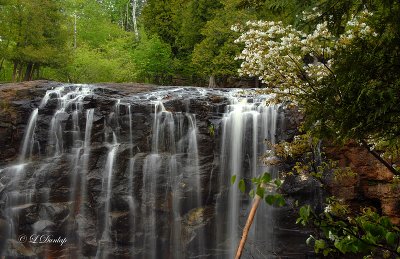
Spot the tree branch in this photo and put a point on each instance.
(379, 158)
(249, 221)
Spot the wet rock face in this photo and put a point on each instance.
(16, 104)
(370, 180)
(117, 191)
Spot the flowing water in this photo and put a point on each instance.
(141, 175)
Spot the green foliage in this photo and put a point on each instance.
(242, 186)
(190, 19)
(344, 231)
(103, 50)
(32, 35)
(94, 27)
(233, 179)
(215, 54)
(359, 100)
(179, 24)
(153, 60)
(158, 19)
(265, 187)
(197, 32)
(300, 145)
(211, 130)
(304, 151)
(92, 65)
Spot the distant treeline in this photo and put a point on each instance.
(163, 42)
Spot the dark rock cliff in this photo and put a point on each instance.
(45, 198)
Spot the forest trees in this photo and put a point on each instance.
(153, 59)
(92, 41)
(73, 40)
(32, 35)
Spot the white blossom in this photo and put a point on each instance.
(276, 53)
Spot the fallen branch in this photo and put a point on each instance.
(250, 219)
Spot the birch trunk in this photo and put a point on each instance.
(75, 31)
(212, 82)
(134, 18)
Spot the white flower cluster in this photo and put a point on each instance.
(357, 27)
(292, 60)
(311, 15)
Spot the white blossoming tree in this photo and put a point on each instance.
(303, 67)
(291, 60)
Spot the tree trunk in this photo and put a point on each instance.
(37, 69)
(28, 72)
(75, 31)
(1, 64)
(211, 82)
(257, 82)
(134, 19)
(14, 75)
(20, 67)
(127, 16)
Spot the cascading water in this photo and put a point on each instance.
(107, 190)
(14, 198)
(142, 175)
(245, 129)
(82, 224)
(29, 139)
(67, 99)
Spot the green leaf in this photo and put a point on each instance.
(385, 222)
(266, 178)
(270, 199)
(278, 182)
(255, 180)
(319, 245)
(260, 191)
(305, 211)
(391, 238)
(242, 186)
(280, 200)
(252, 193)
(233, 179)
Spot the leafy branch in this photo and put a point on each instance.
(343, 231)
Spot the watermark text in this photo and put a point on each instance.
(42, 239)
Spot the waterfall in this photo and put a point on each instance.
(29, 140)
(82, 214)
(107, 189)
(245, 127)
(14, 198)
(105, 241)
(139, 175)
(174, 147)
(151, 170)
(67, 98)
(26, 194)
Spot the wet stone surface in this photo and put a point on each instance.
(136, 171)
